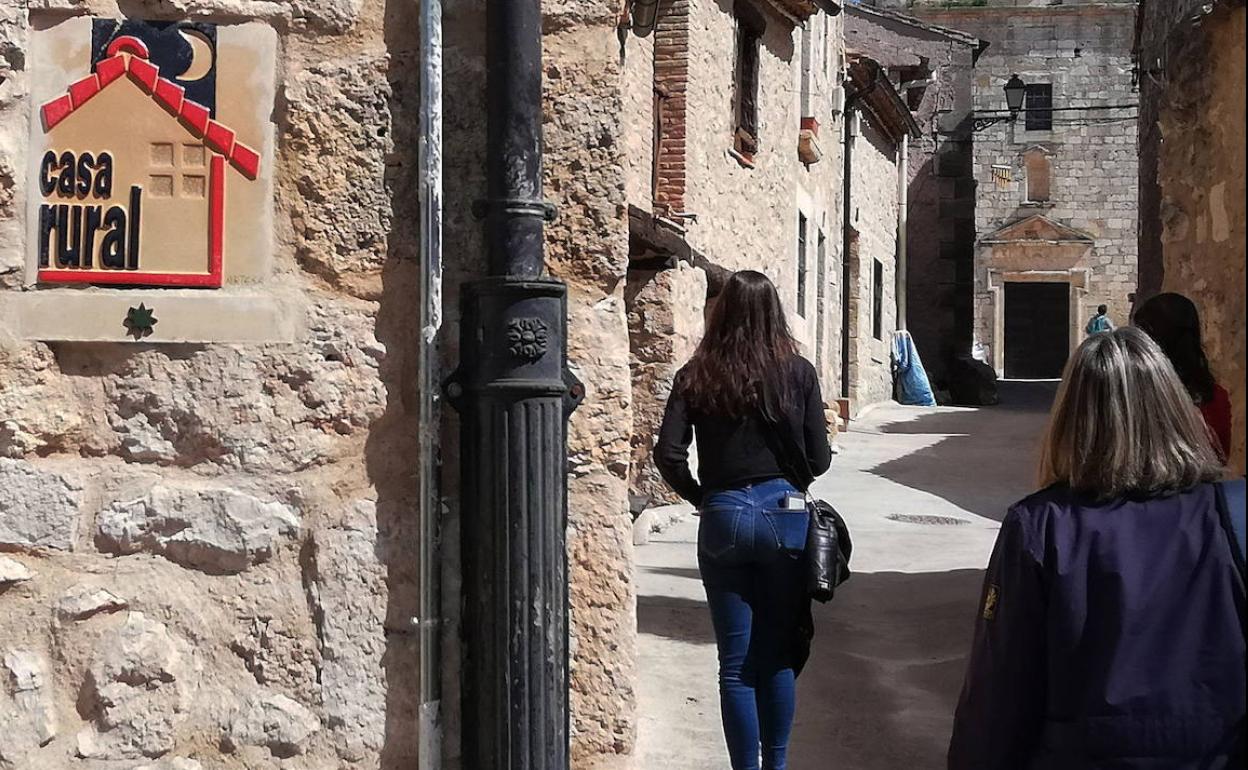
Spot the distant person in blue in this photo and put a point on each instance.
(1099, 322)
(1110, 632)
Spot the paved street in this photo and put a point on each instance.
(923, 491)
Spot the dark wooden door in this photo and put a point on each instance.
(1037, 330)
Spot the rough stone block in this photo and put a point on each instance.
(272, 721)
(28, 718)
(82, 602)
(38, 508)
(213, 529)
(349, 594)
(13, 572)
(140, 685)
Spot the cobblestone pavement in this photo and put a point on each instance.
(923, 491)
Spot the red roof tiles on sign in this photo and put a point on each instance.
(83, 90)
(195, 116)
(126, 55)
(110, 69)
(144, 73)
(170, 95)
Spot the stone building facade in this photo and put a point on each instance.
(932, 67)
(209, 540)
(1191, 76)
(1057, 192)
(879, 128)
(698, 197)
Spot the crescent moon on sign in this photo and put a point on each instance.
(201, 55)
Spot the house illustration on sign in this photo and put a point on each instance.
(134, 179)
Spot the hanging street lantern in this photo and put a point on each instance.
(1015, 92)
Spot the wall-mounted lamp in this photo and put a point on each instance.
(1015, 94)
(643, 14)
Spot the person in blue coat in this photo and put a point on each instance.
(1110, 631)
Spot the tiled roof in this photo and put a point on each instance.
(884, 106)
(856, 9)
(799, 11)
(131, 61)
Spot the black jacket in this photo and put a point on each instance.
(736, 452)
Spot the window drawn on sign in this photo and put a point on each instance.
(143, 206)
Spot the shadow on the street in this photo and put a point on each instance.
(681, 572)
(884, 676)
(978, 466)
(881, 686)
(684, 620)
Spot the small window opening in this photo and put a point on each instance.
(1039, 105)
(801, 265)
(877, 299)
(745, 79)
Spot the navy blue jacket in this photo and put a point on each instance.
(1109, 638)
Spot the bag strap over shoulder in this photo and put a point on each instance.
(1231, 509)
(789, 453)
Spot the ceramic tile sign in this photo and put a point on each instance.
(150, 153)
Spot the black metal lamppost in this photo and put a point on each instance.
(1015, 94)
(514, 393)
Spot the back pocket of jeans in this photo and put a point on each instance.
(717, 530)
(789, 529)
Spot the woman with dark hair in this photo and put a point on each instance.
(745, 384)
(1174, 322)
(1111, 631)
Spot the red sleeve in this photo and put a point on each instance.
(1217, 414)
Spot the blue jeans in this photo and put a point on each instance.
(749, 553)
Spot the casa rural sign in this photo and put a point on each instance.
(139, 169)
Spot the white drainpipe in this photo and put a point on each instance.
(428, 625)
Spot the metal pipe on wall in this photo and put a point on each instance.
(847, 189)
(428, 624)
(903, 194)
(514, 393)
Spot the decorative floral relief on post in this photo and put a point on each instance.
(527, 338)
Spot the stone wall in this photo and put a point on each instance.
(1192, 174)
(1084, 51)
(734, 214)
(209, 549)
(639, 95)
(873, 215)
(747, 217)
(666, 319)
(941, 193)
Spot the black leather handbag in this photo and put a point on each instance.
(828, 545)
(828, 548)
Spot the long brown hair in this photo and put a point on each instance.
(1173, 322)
(1124, 425)
(746, 346)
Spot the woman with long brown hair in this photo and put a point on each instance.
(1173, 322)
(1111, 631)
(743, 388)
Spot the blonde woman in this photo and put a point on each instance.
(1110, 635)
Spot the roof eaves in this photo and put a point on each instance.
(911, 21)
(881, 99)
